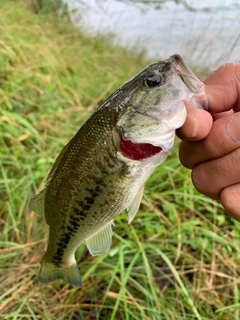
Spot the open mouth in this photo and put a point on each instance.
(138, 151)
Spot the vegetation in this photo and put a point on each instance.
(158, 4)
(48, 6)
(178, 259)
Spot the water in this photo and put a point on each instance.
(208, 36)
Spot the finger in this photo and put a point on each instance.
(230, 199)
(223, 138)
(197, 125)
(223, 88)
(222, 114)
(211, 177)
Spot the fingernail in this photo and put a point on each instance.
(190, 127)
(233, 127)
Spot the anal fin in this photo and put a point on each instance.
(133, 208)
(101, 241)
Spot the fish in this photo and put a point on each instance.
(103, 168)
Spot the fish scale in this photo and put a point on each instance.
(103, 169)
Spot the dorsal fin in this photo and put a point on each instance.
(37, 203)
(56, 163)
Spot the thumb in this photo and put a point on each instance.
(197, 125)
(223, 88)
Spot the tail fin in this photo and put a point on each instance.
(49, 272)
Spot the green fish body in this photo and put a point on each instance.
(103, 169)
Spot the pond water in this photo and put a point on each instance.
(207, 36)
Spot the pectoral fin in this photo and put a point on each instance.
(133, 208)
(101, 241)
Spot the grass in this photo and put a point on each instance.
(178, 259)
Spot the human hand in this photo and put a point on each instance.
(211, 140)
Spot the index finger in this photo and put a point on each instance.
(223, 88)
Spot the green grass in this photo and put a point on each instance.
(178, 259)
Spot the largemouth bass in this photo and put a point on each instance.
(103, 169)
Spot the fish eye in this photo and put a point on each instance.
(153, 80)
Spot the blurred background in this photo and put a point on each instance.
(204, 32)
(179, 258)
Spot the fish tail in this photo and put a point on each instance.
(50, 272)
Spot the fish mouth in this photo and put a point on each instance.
(187, 76)
(196, 86)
